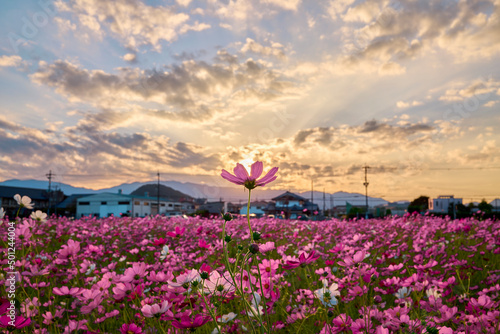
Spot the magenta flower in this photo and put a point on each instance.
(20, 322)
(178, 232)
(250, 181)
(70, 249)
(304, 259)
(130, 329)
(135, 273)
(186, 321)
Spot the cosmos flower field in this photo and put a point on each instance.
(412, 274)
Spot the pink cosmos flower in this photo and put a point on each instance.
(178, 232)
(74, 326)
(130, 329)
(121, 290)
(268, 268)
(250, 182)
(342, 323)
(65, 291)
(20, 322)
(356, 258)
(71, 248)
(135, 273)
(482, 301)
(304, 259)
(186, 321)
(203, 244)
(217, 284)
(150, 311)
(186, 278)
(160, 242)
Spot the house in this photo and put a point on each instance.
(442, 203)
(257, 209)
(293, 206)
(496, 205)
(107, 204)
(39, 198)
(395, 209)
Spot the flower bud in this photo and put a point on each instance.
(254, 248)
(227, 217)
(227, 238)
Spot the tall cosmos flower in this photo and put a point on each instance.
(24, 202)
(250, 181)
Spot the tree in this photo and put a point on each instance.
(419, 204)
(485, 207)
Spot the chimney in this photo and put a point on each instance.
(119, 191)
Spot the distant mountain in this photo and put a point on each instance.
(165, 192)
(211, 193)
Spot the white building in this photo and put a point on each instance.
(257, 209)
(107, 204)
(442, 203)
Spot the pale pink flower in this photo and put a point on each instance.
(23, 202)
(150, 311)
(65, 291)
(241, 176)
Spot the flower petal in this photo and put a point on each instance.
(231, 178)
(256, 170)
(241, 172)
(261, 184)
(267, 178)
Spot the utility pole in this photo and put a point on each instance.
(158, 193)
(49, 176)
(312, 196)
(324, 201)
(366, 189)
(331, 205)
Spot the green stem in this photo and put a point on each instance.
(248, 216)
(209, 308)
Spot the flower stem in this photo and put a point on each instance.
(248, 216)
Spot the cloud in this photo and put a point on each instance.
(87, 150)
(132, 21)
(274, 50)
(185, 91)
(285, 4)
(130, 57)
(384, 35)
(10, 61)
(404, 105)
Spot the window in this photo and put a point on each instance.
(162, 204)
(170, 205)
(84, 203)
(104, 203)
(137, 203)
(124, 203)
(146, 203)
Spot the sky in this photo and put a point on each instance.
(106, 92)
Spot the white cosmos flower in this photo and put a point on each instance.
(24, 202)
(227, 317)
(403, 293)
(2, 213)
(39, 216)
